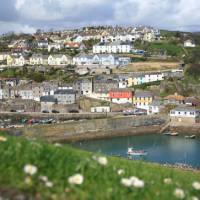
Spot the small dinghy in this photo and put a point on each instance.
(133, 152)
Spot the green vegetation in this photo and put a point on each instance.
(89, 43)
(146, 85)
(58, 163)
(171, 49)
(66, 74)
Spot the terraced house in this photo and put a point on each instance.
(113, 47)
(65, 96)
(121, 96)
(142, 99)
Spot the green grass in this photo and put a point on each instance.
(100, 182)
(170, 48)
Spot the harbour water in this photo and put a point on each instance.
(161, 148)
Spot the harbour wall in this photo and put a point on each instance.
(97, 128)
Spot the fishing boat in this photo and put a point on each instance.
(190, 136)
(134, 152)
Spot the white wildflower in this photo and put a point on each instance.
(179, 193)
(137, 183)
(120, 172)
(133, 178)
(167, 180)
(43, 178)
(77, 179)
(102, 160)
(30, 169)
(58, 145)
(49, 184)
(126, 182)
(196, 185)
(3, 139)
(194, 198)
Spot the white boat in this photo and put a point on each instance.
(171, 133)
(190, 136)
(133, 152)
(174, 134)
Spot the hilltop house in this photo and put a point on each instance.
(108, 60)
(113, 47)
(58, 60)
(189, 43)
(39, 59)
(42, 44)
(16, 60)
(54, 46)
(3, 56)
(136, 79)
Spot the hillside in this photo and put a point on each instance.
(52, 165)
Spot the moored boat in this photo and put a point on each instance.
(174, 134)
(190, 136)
(134, 152)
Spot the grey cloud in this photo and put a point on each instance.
(171, 14)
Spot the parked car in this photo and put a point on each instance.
(73, 111)
(12, 110)
(55, 111)
(45, 111)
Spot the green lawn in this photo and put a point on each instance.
(100, 182)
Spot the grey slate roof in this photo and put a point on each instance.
(48, 99)
(185, 109)
(143, 94)
(64, 92)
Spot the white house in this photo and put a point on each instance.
(59, 59)
(189, 43)
(82, 59)
(3, 56)
(98, 59)
(184, 115)
(17, 60)
(155, 107)
(1, 93)
(100, 109)
(152, 77)
(26, 94)
(54, 45)
(113, 47)
(38, 59)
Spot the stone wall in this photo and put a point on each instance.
(96, 127)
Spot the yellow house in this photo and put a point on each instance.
(136, 80)
(142, 99)
(3, 56)
(10, 60)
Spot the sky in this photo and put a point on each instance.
(29, 15)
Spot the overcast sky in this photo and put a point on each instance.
(28, 15)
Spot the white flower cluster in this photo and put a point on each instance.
(132, 181)
(76, 179)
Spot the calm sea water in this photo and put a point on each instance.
(161, 148)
